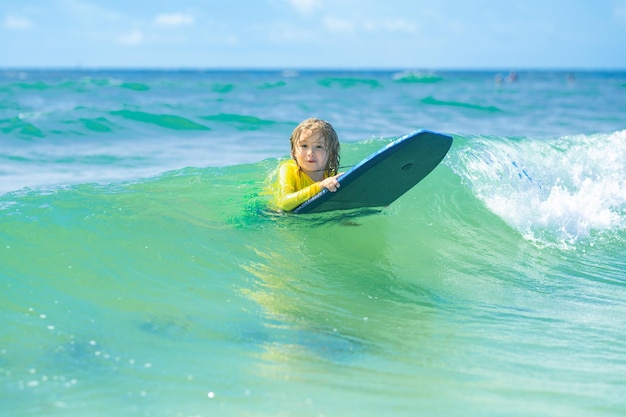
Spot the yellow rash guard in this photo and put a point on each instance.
(293, 186)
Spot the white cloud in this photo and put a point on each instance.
(174, 19)
(619, 11)
(335, 24)
(399, 25)
(306, 6)
(18, 23)
(89, 10)
(132, 38)
(286, 32)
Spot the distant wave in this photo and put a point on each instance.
(97, 124)
(75, 85)
(163, 120)
(222, 88)
(20, 127)
(135, 86)
(435, 102)
(348, 82)
(276, 84)
(416, 77)
(241, 122)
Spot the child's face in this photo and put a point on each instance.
(311, 154)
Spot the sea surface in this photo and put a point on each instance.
(143, 274)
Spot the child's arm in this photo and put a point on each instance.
(288, 197)
(289, 201)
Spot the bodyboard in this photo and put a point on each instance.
(384, 176)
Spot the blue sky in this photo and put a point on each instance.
(431, 34)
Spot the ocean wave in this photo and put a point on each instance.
(21, 128)
(563, 191)
(416, 77)
(163, 120)
(558, 191)
(275, 84)
(348, 82)
(472, 106)
(80, 85)
(222, 88)
(135, 86)
(240, 121)
(97, 124)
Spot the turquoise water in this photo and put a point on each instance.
(142, 273)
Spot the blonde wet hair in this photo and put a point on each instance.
(331, 141)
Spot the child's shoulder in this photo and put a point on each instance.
(288, 164)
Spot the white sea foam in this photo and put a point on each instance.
(563, 190)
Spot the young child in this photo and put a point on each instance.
(313, 167)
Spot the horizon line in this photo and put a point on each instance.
(309, 69)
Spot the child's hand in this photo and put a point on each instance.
(331, 183)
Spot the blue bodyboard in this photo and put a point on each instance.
(384, 176)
